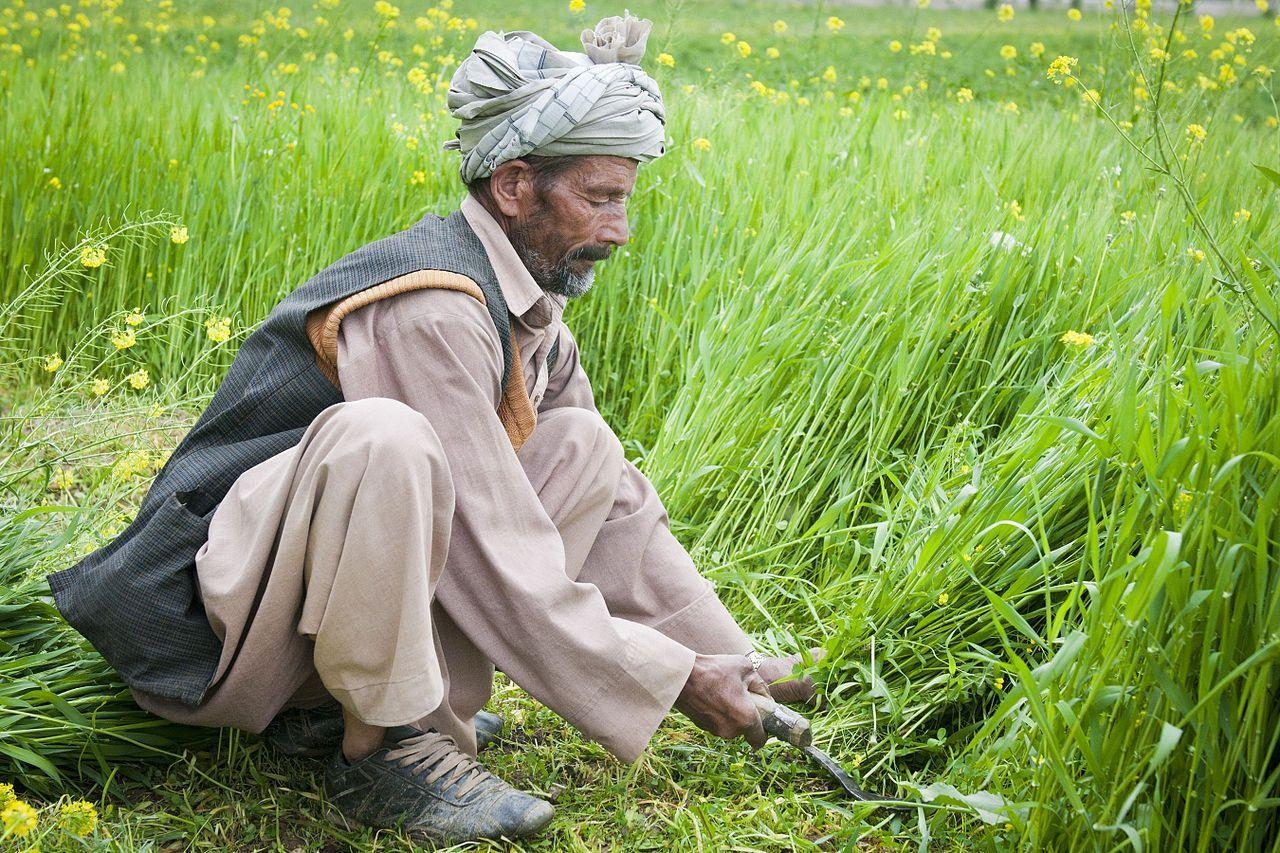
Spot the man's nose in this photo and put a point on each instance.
(615, 230)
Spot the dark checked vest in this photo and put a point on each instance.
(137, 599)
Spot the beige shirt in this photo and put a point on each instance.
(610, 662)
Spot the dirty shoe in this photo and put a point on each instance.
(429, 789)
(317, 732)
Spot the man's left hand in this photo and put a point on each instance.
(776, 672)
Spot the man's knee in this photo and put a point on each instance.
(380, 428)
(581, 434)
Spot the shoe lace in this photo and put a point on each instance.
(438, 757)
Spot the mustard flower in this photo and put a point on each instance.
(933, 34)
(218, 329)
(835, 24)
(779, 27)
(19, 819)
(772, 52)
(78, 818)
(702, 143)
(1196, 133)
(1240, 217)
(1004, 13)
(1079, 340)
(943, 598)
(728, 38)
(964, 95)
(1127, 218)
(922, 4)
(134, 317)
(92, 257)
(1060, 68)
(54, 361)
(895, 46)
(744, 49)
(139, 379)
(577, 5)
(178, 234)
(7, 795)
(55, 183)
(99, 386)
(830, 75)
(1036, 50)
(1196, 255)
(1206, 23)
(1008, 51)
(385, 10)
(1074, 15)
(666, 60)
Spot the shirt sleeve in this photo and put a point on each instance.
(651, 578)
(505, 583)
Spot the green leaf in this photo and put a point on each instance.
(1271, 174)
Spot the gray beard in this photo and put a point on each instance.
(557, 278)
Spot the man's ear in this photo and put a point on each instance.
(511, 186)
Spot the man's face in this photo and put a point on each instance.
(573, 219)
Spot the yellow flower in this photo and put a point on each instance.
(728, 38)
(829, 75)
(1196, 255)
(577, 5)
(895, 45)
(1262, 5)
(1182, 502)
(218, 329)
(964, 95)
(123, 339)
(99, 387)
(54, 361)
(744, 49)
(1036, 50)
(134, 318)
(922, 4)
(1079, 340)
(933, 34)
(386, 10)
(1004, 13)
(62, 481)
(6, 794)
(1206, 23)
(178, 234)
(1196, 133)
(1061, 68)
(943, 598)
(1127, 218)
(772, 53)
(1008, 52)
(1015, 210)
(1241, 216)
(999, 682)
(702, 143)
(78, 818)
(666, 60)
(779, 27)
(93, 256)
(835, 24)
(55, 183)
(418, 177)
(1074, 15)
(139, 379)
(19, 819)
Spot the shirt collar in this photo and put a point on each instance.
(521, 292)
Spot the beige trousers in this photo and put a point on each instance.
(323, 575)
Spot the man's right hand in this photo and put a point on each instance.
(717, 697)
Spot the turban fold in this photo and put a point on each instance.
(516, 94)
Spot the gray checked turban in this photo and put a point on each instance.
(516, 94)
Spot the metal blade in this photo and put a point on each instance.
(835, 771)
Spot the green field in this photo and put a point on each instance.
(966, 374)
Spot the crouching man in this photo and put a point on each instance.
(403, 481)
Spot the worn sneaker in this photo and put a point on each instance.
(431, 790)
(317, 732)
(306, 732)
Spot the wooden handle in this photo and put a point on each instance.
(782, 722)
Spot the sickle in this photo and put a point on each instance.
(788, 726)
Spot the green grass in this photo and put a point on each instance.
(1045, 575)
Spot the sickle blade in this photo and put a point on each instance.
(835, 771)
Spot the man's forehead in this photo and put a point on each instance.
(602, 172)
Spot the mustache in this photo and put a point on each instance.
(590, 253)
